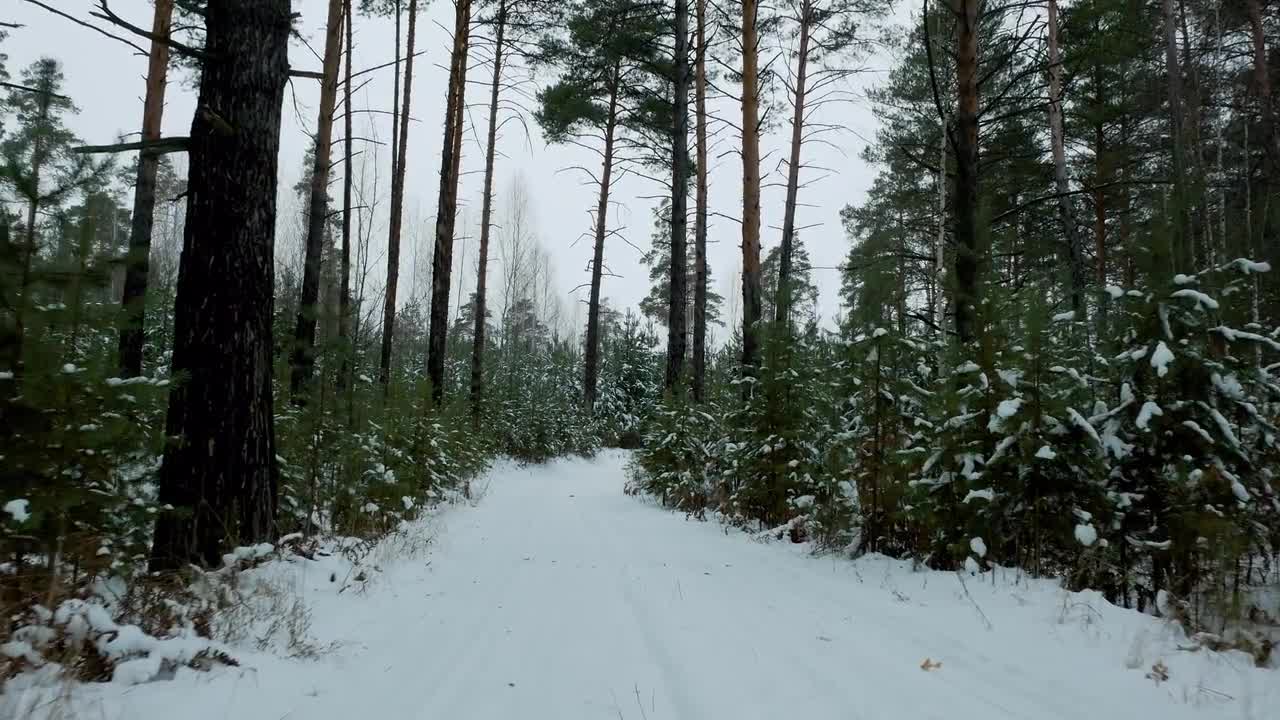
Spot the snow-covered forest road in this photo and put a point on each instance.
(558, 597)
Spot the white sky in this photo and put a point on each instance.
(105, 79)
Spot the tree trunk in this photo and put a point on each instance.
(1270, 127)
(486, 219)
(302, 363)
(137, 265)
(395, 92)
(397, 207)
(1101, 176)
(966, 142)
(1057, 138)
(940, 248)
(751, 305)
(677, 323)
(782, 314)
(700, 208)
(344, 291)
(1199, 248)
(446, 209)
(220, 474)
(591, 354)
(1182, 242)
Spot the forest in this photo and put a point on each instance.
(1053, 347)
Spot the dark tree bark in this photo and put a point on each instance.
(395, 92)
(137, 264)
(344, 271)
(677, 323)
(966, 151)
(700, 208)
(220, 473)
(1173, 72)
(751, 300)
(591, 354)
(303, 360)
(397, 208)
(1262, 86)
(782, 307)
(486, 219)
(446, 208)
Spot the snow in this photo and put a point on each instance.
(984, 494)
(971, 566)
(1148, 411)
(1241, 493)
(1116, 292)
(557, 597)
(18, 510)
(978, 547)
(1247, 266)
(1224, 427)
(1009, 408)
(1232, 335)
(1067, 316)
(1199, 297)
(250, 552)
(1161, 358)
(6, 375)
(1083, 424)
(1086, 534)
(1046, 453)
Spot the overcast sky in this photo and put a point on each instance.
(105, 78)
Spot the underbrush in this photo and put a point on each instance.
(153, 627)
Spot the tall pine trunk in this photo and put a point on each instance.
(591, 354)
(1270, 126)
(966, 197)
(137, 264)
(400, 154)
(447, 206)
(344, 290)
(782, 307)
(220, 474)
(751, 301)
(302, 362)
(486, 220)
(395, 92)
(700, 208)
(679, 272)
(1057, 139)
(1182, 246)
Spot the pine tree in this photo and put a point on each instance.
(655, 304)
(221, 478)
(41, 169)
(604, 59)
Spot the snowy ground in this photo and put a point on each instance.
(557, 597)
